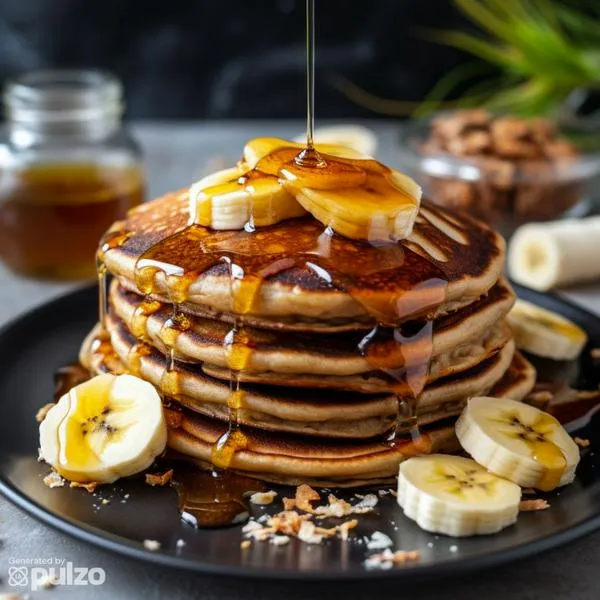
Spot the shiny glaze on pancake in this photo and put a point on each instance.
(472, 251)
(204, 331)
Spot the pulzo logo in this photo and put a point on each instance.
(55, 571)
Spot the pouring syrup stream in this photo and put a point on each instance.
(309, 157)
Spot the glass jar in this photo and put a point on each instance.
(67, 171)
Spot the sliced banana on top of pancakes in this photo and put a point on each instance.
(359, 199)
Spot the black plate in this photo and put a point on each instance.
(34, 346)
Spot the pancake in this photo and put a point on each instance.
(463, 252)
(295, 459)
(460, 358)
(459, 340)
(318, 412)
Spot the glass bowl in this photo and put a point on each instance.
(503, 191)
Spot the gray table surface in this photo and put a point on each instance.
(177, 153)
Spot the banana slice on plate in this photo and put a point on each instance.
(518, 442)
(357, 137)
(106, 428)
(226, 201)
(456, 496)
(545, 333)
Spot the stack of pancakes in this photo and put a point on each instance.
(314, 409)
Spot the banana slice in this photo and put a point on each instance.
(228, 175)
(545, 333)
(259, 148)
(226, 201)
(359, 199)
(518, 442)
(356, 137)
(106, 428)
(362, 200)
(548, 255)
(456, 496)
(383, 208)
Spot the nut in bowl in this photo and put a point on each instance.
(505, 170)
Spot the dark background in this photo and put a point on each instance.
(192, 59)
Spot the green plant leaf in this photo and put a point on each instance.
(447, 83)
(476, 46)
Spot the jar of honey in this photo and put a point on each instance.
(68, 170)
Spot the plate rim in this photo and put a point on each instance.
(445, 568)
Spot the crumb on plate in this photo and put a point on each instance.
(533, 505)
(159, 479)
(263, 498)
(53, 480)
(90, 487)
(152, 545)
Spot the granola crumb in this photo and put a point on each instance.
(89, 487)
(40, 415)
(581, 442)
(307, 533)
(379, 541)
(533, 505)
(280, 540)
(105, 501)
(338, 508)
(387, 559)
(180, 544)
(263, 498)
(595, 353)
(245, 545)
(293, 524)
(152, 545)
(53, 480)
(289, 504)
(304, 496)
(159, 479)
(299, 519)
(344, 529)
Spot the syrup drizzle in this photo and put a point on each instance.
(543, 450)
(309, 157)
(367, 272)
(110, 241)
(213, 499)
(140, 316)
